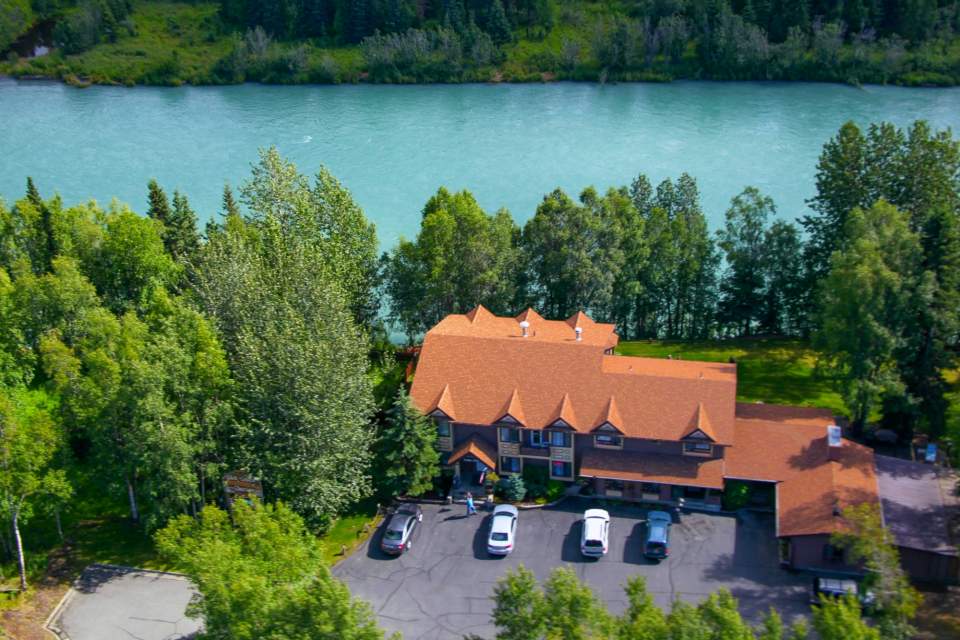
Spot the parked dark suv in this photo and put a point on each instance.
(397, 536)
(656, 546)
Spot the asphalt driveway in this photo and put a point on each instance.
(441, 588)
(118, 603)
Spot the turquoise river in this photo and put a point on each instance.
(395, 145)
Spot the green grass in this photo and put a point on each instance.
(776, 371)
(348, 530)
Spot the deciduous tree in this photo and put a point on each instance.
(259, 575)
(30, 441)
(461, 257)
(868, 541)
(866, 302)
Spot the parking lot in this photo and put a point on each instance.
(441, 587)
(116, 603)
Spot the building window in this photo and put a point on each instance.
(650, 487)
(443, 428)
(608, 440)
(832, 554)
(786, 552)
(560, 469)
(559, 439)
(509, 435)
(537, 439)
(509, 464)
(697, 448)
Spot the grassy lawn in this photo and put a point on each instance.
(348, 531)
(771, 370)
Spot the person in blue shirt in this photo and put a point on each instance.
(471, 509)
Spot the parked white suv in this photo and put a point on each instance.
(594, 541)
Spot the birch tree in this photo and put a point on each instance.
(30, 441)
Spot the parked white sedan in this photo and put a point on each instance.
(596, 533)
(503, 530)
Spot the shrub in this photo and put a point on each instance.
(513, 487)
(555, 490)
(736, 495)
(534, 474)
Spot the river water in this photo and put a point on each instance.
(393, 146)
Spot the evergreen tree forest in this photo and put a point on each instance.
(323, 41)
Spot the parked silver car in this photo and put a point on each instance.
(398, 534)
(503, 530)
(596, 533)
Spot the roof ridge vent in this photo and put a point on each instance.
(579, 332)
(524, 325)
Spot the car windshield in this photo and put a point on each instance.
(498, 536)
(593, 543)
(655, 546)
(390, 534)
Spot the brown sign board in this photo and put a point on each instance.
(238, 485)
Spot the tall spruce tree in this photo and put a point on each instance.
(181, 237)
(408, 449)
(158, 205)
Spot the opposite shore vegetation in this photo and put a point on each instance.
(908, 42)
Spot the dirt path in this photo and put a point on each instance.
(26, 621)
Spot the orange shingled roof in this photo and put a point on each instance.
(480, 323)
(478, 448)
(611, 416)
(530, 316)
(653, 467)
(444, 403)
(486, 362)
(478, 313)
(700, 424)
(813, 483)
(565, 413)
(514, 409)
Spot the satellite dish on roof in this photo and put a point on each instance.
(834, 435)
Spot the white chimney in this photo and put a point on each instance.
(579, 331)
(524, 325)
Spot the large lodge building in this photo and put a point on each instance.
(507, 393)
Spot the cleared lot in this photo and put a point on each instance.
(119, 603)
(441, 588)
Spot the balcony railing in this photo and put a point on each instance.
(535, 452)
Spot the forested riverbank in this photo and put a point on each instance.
(906, 42)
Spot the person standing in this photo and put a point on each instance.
(471, 509)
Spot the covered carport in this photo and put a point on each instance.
(915, 511)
